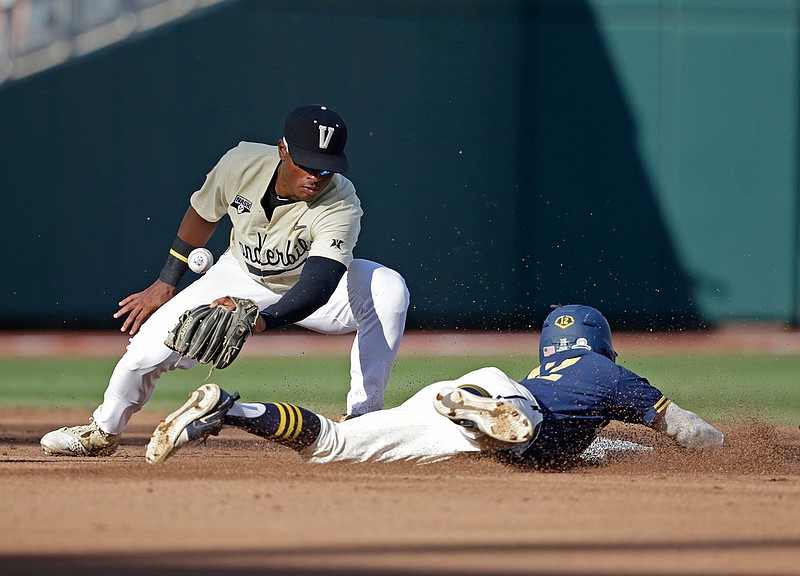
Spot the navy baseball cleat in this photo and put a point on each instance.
(192, 423)
(494, 417)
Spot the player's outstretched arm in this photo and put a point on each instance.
(687, 428)
(141, 305)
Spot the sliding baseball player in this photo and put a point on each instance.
(551, 419)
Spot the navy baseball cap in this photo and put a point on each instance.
(316, 136)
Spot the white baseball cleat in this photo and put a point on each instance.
(496, 418)
(86, 440)
(200, 417)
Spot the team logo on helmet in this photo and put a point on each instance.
(564, 321)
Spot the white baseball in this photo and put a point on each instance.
(200, 260)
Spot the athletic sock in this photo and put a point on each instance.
(284, 423)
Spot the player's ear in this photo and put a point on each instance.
(282, 148)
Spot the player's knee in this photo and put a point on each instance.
(376, 291)
(389, 290)
(146, 359)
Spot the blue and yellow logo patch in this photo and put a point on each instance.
(564, 321)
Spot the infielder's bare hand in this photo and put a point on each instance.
(141, 305)
(261, 324)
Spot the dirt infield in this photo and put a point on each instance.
(241, 505)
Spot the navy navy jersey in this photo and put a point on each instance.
(580, 392)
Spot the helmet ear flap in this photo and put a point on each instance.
(609, 353)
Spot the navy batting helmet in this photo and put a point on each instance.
(575, 327)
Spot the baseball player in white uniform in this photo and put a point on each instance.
(483, 410)
(551, 419)
(296, 221)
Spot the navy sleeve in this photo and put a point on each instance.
(317, 283)
(636, 400)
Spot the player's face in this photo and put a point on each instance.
(296, 183)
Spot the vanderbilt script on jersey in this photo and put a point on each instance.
(274, 260)
(273, 251)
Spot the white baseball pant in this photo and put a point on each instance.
(371, 300)
(415, 431)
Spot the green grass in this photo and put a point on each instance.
(720, 388)
(318, 383)
(727, 388)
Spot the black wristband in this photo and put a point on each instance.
(177, 262)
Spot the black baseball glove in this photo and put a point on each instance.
(214, 335)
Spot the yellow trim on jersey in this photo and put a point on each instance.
(178, 255)
(662, 403)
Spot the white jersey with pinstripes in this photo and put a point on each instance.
(273, 251)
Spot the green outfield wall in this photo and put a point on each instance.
(641, 156)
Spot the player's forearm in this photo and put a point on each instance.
(687, 428)
(316, 285)
(194, 232)
(294, 306)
